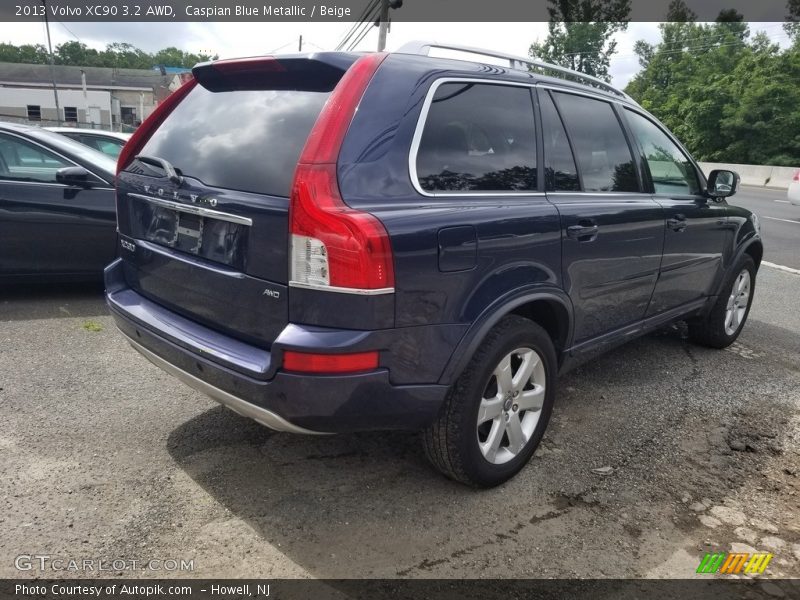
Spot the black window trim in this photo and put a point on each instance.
(420, 126)
(541, 89)
(701, 179)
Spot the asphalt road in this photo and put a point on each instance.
(780, 223)
(103, 456)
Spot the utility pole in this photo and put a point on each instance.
(384, 25)
(300, 44)
(52, 68)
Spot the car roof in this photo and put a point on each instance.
(505, 73)
(532, 69)
(18, 127)
(99, 132)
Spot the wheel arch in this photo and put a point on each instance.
(756, 251)
(550, 309)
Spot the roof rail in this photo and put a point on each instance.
(514, 62)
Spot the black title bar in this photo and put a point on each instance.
(354, 10)
(710, 588)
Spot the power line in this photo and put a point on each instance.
(362, 35)
(69, 30)
(368, 23)
(366, 16)
(281, 47)
(355, 25)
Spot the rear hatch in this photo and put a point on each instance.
(203, 205)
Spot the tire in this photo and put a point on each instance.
(487, 453)
(723, 324)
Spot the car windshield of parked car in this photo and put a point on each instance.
(106, 145)
(92, 157)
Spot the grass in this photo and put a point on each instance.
(92, 326)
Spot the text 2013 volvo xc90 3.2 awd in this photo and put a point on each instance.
(337, 242)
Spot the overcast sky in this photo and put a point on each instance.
(247, 39)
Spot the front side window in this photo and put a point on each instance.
(671, 171)
(603, 155)
(478, 137)
(23, 161)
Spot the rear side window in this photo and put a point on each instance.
(604, 158)
(478, 137)
(560, 173)
(248, 140)
(672, 172)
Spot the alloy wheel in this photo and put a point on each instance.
(511, 405)
(737, 302)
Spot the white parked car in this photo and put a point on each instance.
(794, 189)
(107, 142)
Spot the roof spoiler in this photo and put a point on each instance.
(319, 72)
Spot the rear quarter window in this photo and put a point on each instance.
(248, 140)
(478, 137)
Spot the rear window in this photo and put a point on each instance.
(478, 137)
(239, 140)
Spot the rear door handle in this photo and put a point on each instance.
(677, 223)
(585, 231)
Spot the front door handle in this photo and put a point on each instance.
(677, 223)
(585, 231)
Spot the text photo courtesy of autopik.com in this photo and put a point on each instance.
(386, 298)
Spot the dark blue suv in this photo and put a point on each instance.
(337, 242)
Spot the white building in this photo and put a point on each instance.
(98, 97)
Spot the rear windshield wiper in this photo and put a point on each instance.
(171, 172)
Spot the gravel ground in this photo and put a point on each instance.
(102, 456)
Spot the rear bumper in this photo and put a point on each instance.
(249, 380)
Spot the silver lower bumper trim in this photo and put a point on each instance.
(261, 415)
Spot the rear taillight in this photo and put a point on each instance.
(143, 133)
(333, 246)
(796, 175)
(305, 362)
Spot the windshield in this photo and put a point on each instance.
(89, 155)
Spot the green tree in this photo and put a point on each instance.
(76, 53)
(792, 25)
(174, 57)
(27, 53)
(126, 56)
(117, 55)
(580, 34)
(729, 98)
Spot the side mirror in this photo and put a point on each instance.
(74, 176)
(722, 183)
